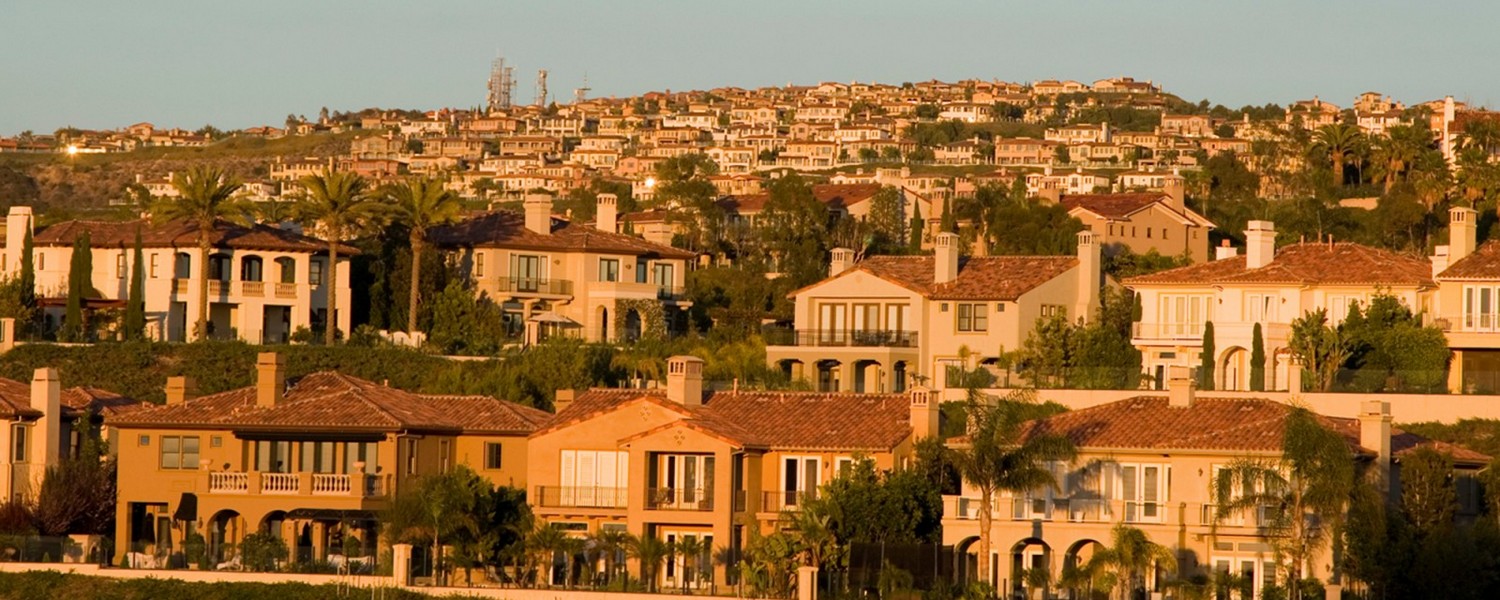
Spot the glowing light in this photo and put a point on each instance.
(72, 150)
(650, 182)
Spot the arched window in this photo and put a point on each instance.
(250, 268)
(287, 268)
(183, 267)
(219, 267)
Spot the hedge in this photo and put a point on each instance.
(48, 585)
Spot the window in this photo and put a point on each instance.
(843, 466)
(250, 268)
(1144, 490)
(833, 321)
(479, 265)
(215, 441)
(592, 478)
(1183, 315)
(445, 452)
(973, 317)
(182, 266)
(1260, 308)
(609, 269)
(179, 452)
(800, 476)
(690, 477)
(41, 261)
(1338, 306)
(360, 452)
(18, 439)
(661, 274)
(120, 266)
(153, 265)
(219, 266)
(318, 457)
(1480, 312)
(493, 452)
(287, 268)
(526, 272)
(1054, 310)
(273, 456)
(411, 457)
(315, 272)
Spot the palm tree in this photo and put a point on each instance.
(336, 204)
(542, 545)
(1129, 557)
(1000, 456)
(1301, 498)
(650, 552)
(205, 196)
(692, 548)
(609, 543)
(1394, 154)
(421, 204)
(1338, 141)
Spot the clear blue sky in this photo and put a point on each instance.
(100, 64)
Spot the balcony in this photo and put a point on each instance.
(217, 287)
(535, 285)
(580, 497)
(670, 293)
(1094, 510)
(1225, 334)
(836, 338)
(297, 484)
(252, 289)
(675, 499)
(286, 291)
(785, 500)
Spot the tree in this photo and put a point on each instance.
(650, 552)
(337, 203)
(135, 304)
(1001, 456)
(27, 283)
(80, 284)
(205, 197)
(887, 222)
(1093, 355)
(1206, 358)
(1318, 348)
(1130, 555)
(420, 205)
(1429, 491)
(1257, 360)
(1390, 349)
(434, 507)
(1338, 141)
(1305, 494)
(78, 495)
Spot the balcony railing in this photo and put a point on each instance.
(286, 290)
(1094, 510)
(291, 484)
(580, 497)
(217, 287)
(778, 501)
(228, 483)
(331, 484)
(670, 292)
(679, 499)
(865, 338)
(180, 286)
(254, 289)
(1193, 332)
(280, 483)
(536, 285)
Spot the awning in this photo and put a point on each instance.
(187, 508)
(331, 514)
(552, 317)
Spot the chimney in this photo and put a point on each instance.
(563, 400)
(840, 260)
(1174, 186)
(1260, 244)
(1461, 232)
(1225, 251)
(945, 257)
(46, 435)
(1182, 389)
(1375, 435)
(539, 213)
(1440, 260)
(180, 390)
(925, 414)
(1090, 277)
(270, 379)
(685, 380)
(606, 213)
(17, 223)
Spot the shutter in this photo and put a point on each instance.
(568, 480)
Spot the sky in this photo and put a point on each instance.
(107, 64)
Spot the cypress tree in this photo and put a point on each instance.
(1257, 361)
(80, 268)
(1206, 358)
(916, 228)
(135, 305)
(27, 283)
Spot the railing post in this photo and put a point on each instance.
(304, 484)
(252, 482)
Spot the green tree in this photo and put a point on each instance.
(1129, 557)
(1305, 493)
(421, 204)
(1429, 490)
(80, 287)
(1257, 360)
(205, 197)
(887, 222)
(433, 508)
(1318, 348)
(135, 304)
(1389, 348)
(1206, 358)
(27, 284)
(338, 204)
(1338, 142)
(1001, 457)
(650, 552)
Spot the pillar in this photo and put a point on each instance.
(874, 380)
(799, 372)
(846, 376)
(807, 583)
(1455, 372)
(401, 564)
(319, 540)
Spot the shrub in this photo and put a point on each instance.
(262, 551)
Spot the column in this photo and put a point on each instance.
(846, 376)
(1456, 373)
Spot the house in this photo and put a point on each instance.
(311, 460)
(886, 322)
(45, 424)
(1195, 126)
(264, 283)
(683, 462)
(1151, 462)
(1143, 221)
(1027, 152)
(1078, 134)
(1468, 304)
(570, 279)
(1269, 287)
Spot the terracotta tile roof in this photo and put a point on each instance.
(328, 400)
(1112, 206)
(507, 229)
(775, 420)
(979, 278)
(1482, 263)
(1233, 425)
(15, 400)
(1306, 264)
(832, 195)
(94, 400)
(181, 234)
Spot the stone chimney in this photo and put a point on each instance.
(539, 213)
(840, 259)
(1175, 187)
(1461, 232)
(563, 400)
(181, 389)
(17, 223)
(1260, 244)
(1090, 277)
(945, 257)
(685, 380)
(1182, 389)
(606, 213)
(925, 413)
(1375, 435)
(46, 435)
(1225, 251)
(270, 379)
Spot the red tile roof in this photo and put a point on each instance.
(979, 277)
(332, 401)
(1341, 263)
(1483, 263)
(15, 401)
(181, 234)
(832, 195)
(507, 229)
(775, 420)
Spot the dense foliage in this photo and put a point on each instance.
(47, 585)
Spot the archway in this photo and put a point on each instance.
(632, 330)
(1030, 566)
(792, 368)
(867, 376)
(898, 377)
(965, 562)
(1234, 369)
(225, 530)
(829, 376)
(1072, 577)
(603, 320)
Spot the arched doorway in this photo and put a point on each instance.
(632, 325)
(829, 376)
(1234, 369)
(965, 561)
(867, 377)
(603, 320)
(898, 377)
(1030, 566)
(791, 368)
(1072, 577)
(225, 530)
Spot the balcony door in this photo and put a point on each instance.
(687, 480)
(592, 478)
(526, 272)
(833, 321)
(799, 479)
(1144, 492)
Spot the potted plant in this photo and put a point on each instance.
(194, 550)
